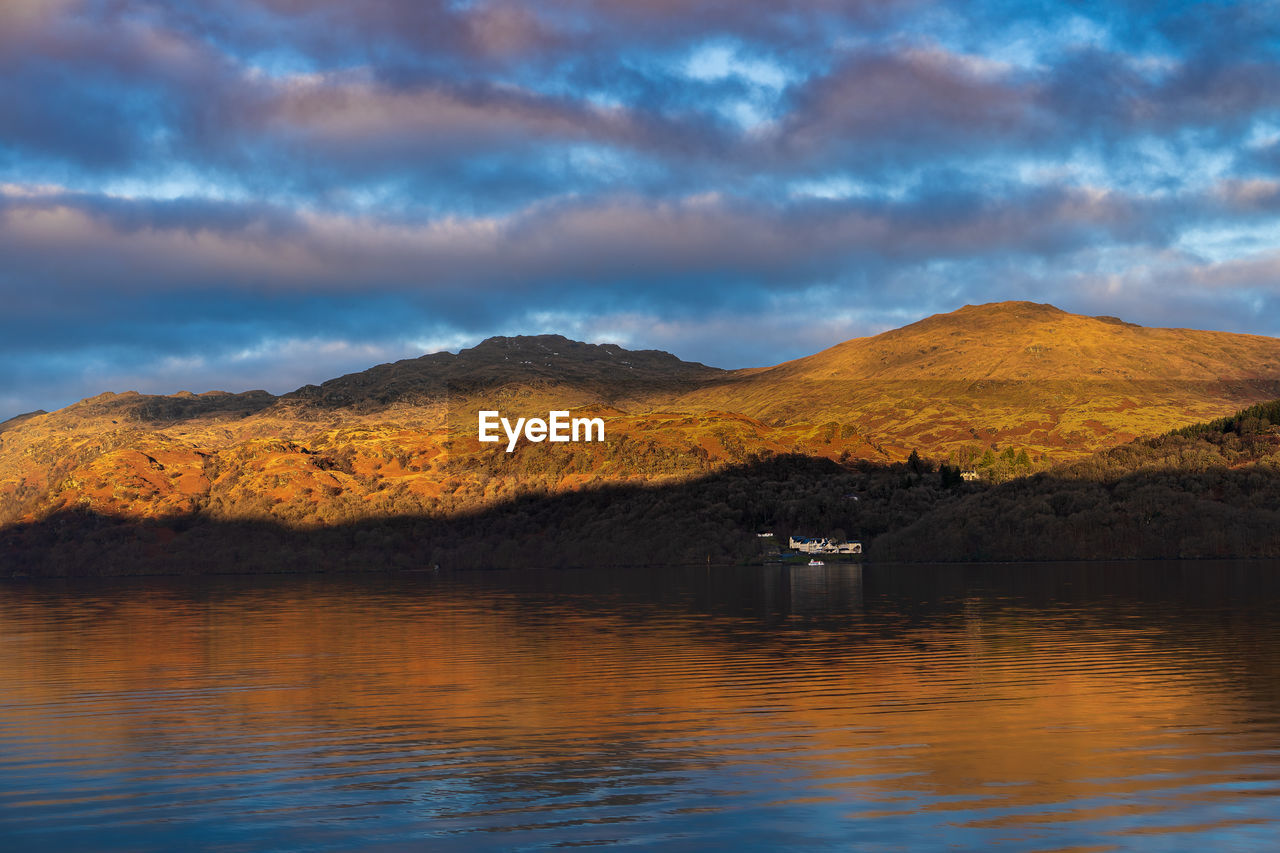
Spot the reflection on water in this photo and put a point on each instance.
(1094, 707)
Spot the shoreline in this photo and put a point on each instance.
(640, 567)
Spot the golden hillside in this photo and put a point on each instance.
(399, 439)
(1011, 374)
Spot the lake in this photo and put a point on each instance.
(1034, 707)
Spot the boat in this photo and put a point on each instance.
(816, 563)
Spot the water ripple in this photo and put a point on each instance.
(753, 708)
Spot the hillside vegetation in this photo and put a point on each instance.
(1009, 390)
(1211, 490)
(1207, 490)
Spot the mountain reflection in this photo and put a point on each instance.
(755, 706)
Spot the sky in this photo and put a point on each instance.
(239, 194)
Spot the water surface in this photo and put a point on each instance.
(1032, 707)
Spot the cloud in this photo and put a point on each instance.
(636, 248)
(183, 181)
(888, 104)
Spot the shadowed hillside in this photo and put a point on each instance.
(713, 517)
(1207, 490)
(1211, 491)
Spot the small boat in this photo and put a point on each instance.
(816, 563)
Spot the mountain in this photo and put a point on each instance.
(1008, 388)
(1010, 374)
(1208, 491)
(378, 441)
(576, 372)
(1028, 341)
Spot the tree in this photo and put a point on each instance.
(951, 476)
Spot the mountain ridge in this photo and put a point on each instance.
(865, 358)
(400, 438)
(1054, 382)
(549, 360)
(1033, 323)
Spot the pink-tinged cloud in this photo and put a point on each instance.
(912, 97)
(569, 245)
(352, 112)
